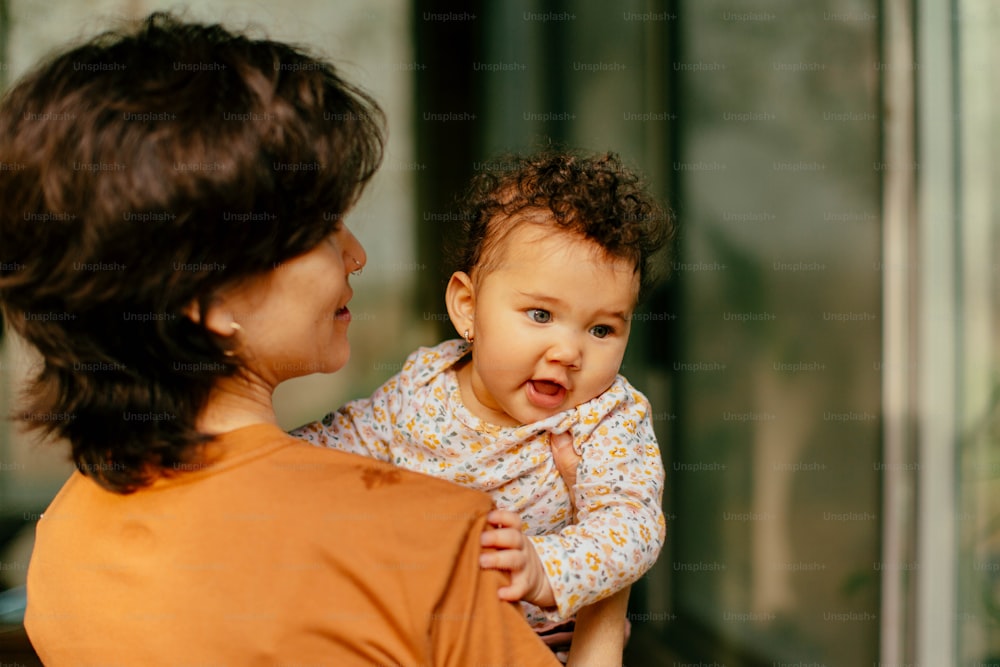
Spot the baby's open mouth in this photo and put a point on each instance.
(546, 387)
(546, 394)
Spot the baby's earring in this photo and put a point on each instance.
(467, 336)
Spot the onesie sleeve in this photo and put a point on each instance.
(362, 426)
(620, 526)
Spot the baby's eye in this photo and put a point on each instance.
(602, 331)
(539, 315)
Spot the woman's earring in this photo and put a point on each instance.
(235, 326)
(467, 336)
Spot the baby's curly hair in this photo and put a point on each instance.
(595, 196)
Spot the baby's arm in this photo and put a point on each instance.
(620, 526)
(361, 427)
(600, 633)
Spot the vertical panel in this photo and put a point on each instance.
(899, 272)
(447, 121)
(936, 323)
(4, 38)
(5, 365)
(977, 627)
(777, 464)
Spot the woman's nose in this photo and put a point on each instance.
(355, 254)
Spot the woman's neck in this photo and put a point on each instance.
(236, 402)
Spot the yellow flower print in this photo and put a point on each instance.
(619, 452)
(464, 478)
(594, 561)
(616, 537)
(553, 568)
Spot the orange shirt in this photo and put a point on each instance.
(274, 553)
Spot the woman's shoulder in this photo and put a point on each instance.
(352, 495)
(289, 485)
(264, 466)
(328, 473)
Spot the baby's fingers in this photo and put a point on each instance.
(504, 519)
(516, 591)
(509, 554)
(512, 560)
(502, 538)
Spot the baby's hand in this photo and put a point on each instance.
(515, 553)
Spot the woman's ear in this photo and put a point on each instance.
(214, 317)
(460, 298)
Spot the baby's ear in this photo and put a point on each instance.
(460, 297)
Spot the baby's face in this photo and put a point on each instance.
(552, 319)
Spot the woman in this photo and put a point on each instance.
(172, 243)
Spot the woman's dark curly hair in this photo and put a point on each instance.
(143, 172)
(595, 196)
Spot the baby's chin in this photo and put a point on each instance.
(531, 414)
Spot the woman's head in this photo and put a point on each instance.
(146, 173)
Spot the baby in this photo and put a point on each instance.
(556, 251)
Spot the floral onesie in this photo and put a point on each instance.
(417, 421)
